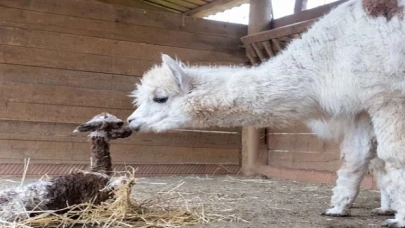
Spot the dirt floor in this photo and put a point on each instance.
(256, 203)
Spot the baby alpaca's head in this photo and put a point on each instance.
(105, 125)
(161, 98)
(101, 122)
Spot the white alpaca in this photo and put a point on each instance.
(345, 76)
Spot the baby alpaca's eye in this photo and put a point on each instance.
(160, 99)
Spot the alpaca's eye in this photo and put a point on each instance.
(160, 99)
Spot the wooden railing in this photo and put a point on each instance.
(264, 45)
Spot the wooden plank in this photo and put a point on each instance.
(186, 4)
(69, 78)
(81, 62)
(301, 143)
(16, 36)
(299, 160)
(197, 2)
(296, 36)
(268, 48)
(135, 4)
(277, 33)
(62, 95)
(251, 54)
(259, 51)
(73, 61)
(170, 5)
(59, 132)
(213, 7)
(116, 13)
(297, 128)
(160, 6)
(300, 5)
(305, 15)
(68, 152)
(277, 45)
(118, 31)
(65, 114)
(53, 113)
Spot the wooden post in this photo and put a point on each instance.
(260, 17)
(300, 5)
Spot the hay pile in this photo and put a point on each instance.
(124, 211)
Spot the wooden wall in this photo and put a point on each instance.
(294, 152)
(63, 61)
(298, 148)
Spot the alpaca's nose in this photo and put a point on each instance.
(129, 120)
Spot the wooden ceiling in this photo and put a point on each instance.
(198, 8)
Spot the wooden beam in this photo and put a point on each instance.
(300, 5)
(136, 4)
(214, 7)
(169, 5)
(260, 16)
(305, 15)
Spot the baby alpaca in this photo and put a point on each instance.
(79, 187)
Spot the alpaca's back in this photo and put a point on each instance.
(350, 56)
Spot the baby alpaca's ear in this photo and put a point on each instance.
(90, 126)
(177, 72)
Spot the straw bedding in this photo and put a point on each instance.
(122, 210)
(95, 198)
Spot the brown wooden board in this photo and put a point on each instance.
(22, 36)
(78, 61)
(127, 15)
(277, 33)
(67, 78)
(73, 152)
(135, 4)
(296, 128)
(73, 61)
(59, 132)
(300, 160)
(53, 113)
(118, 31)
(37, 169)
(65, 114)
(305, 15)
(300, 143)
(62, 95)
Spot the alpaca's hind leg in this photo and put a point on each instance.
(355, 153)
(378, 170)
(389, 124)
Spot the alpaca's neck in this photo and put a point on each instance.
(100, 153)
(274, 94)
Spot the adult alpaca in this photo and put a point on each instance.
(345, 78)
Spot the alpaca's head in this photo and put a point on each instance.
(101, 122)
(161, 98)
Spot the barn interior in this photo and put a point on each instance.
(63, 61)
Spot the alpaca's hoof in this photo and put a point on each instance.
(393, 223)
(333, 212)
(382, 212)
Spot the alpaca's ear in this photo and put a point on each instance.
(86, 127)
(177, 72)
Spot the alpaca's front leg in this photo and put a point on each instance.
(389, 125)
(377, 167)
(385, 207)
(355, 153)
